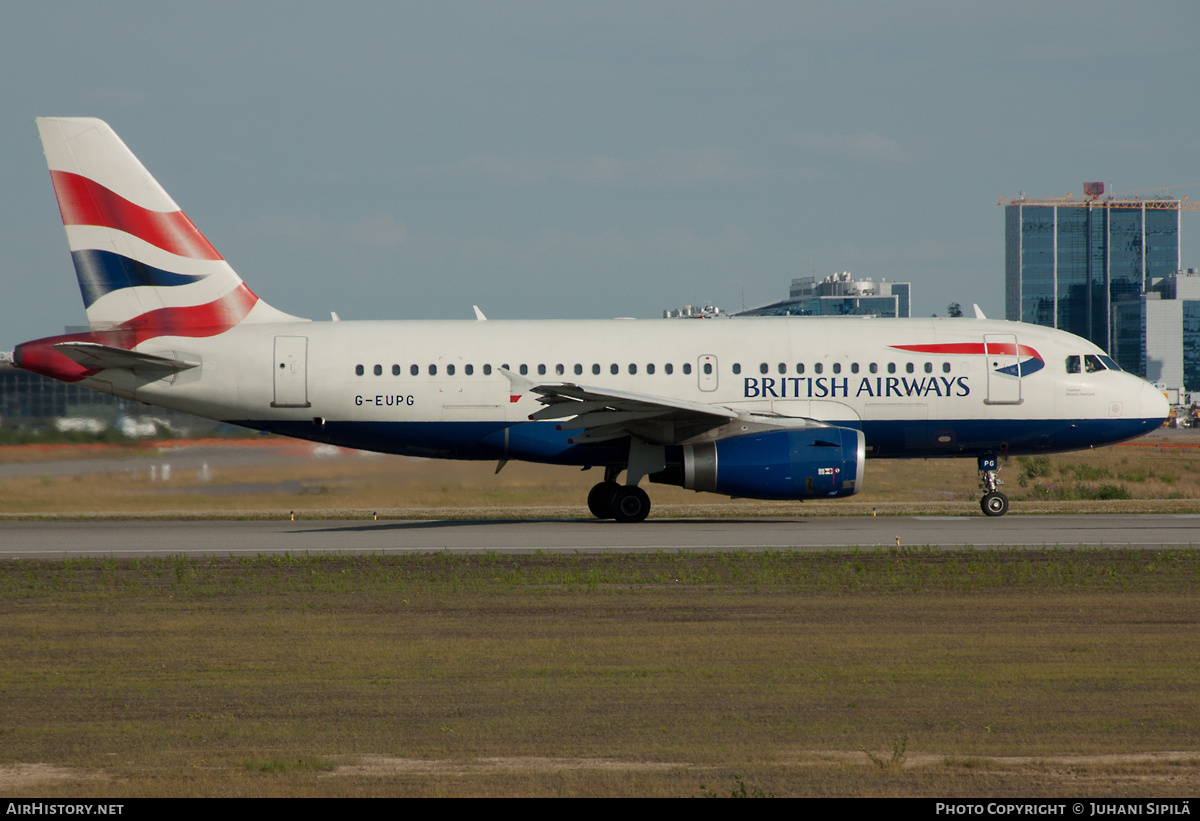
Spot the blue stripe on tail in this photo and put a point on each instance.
(100, 272)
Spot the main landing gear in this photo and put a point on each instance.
(993, 503)
(624, 503)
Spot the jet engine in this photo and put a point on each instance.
(807, 463)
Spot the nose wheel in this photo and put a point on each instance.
(993, 503)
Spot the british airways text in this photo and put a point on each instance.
(819, 387)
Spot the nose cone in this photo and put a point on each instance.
(1154, 403)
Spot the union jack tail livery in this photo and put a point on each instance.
(141, 263)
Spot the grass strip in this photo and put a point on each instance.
(891, 672)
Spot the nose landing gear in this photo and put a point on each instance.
(993, 503)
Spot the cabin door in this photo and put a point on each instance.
(1003, 369)
(291, 372)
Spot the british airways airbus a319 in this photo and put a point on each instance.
(763, 408)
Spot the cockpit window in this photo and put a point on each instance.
(1072, 364)
(1092, 363)
(1110, 363)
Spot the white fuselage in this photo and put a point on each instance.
(353, 383)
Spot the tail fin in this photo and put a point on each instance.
(142, 265)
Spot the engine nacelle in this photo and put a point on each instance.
(779, 464)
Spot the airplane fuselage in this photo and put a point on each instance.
(915, 387)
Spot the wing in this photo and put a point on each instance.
(602, 413)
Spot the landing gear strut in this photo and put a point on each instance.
(625, 503)
(993, 503)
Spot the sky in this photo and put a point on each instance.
(398, 160)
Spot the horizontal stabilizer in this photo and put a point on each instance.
(102, 357)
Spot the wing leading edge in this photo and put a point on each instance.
(602, 414)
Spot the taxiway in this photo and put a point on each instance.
(131, 539)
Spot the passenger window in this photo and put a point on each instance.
(414, 370)
(945, 367)
(687, 368)
(782, 368)
(559, 369)
(433, 370)
(737, 368)
(578, 369)
(837, 367)
(487, 370)
(799, 367)
(762, 368)
(669, 368)
(891, 367)
(524, 369)
(928, 367)
(596, 369)
(909, 367)
(650, 368)
(358, 370)
(469, 369)
(395, 370)
(818, 368)
(614, 369)
(632, 369)
(541, 370)
(853, 367)
(874, 368)
(708, 369)
(450, 370)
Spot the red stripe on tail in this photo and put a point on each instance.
(85, 202)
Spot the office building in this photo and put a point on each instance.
(1072, 264)
(840, 295)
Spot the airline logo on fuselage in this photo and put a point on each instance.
(1028, 361)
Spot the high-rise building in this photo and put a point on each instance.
(1168, 318)
(1071, 263)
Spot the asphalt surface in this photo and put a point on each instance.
(59, 539)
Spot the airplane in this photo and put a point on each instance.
(762, 408)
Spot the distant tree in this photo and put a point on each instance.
(954, 309)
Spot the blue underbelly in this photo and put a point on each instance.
(544, 442)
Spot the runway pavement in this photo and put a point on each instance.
(131, 539)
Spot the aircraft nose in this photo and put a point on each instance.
(1154, 403)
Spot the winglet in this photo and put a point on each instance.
(479, 314)
(978, 312)
(518, 385)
